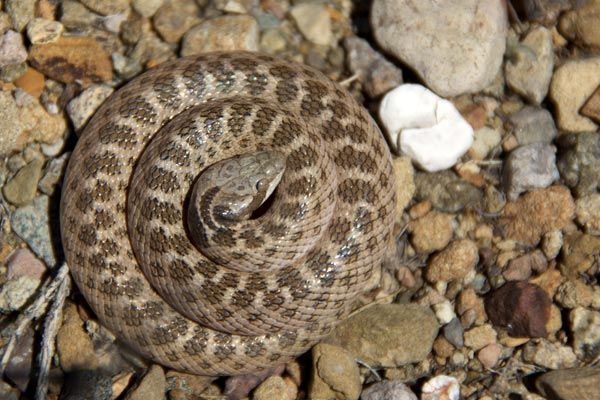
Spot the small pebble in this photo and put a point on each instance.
(529, 167)
(275, 387)
(574, 383)
(453, 262)
(485, 140)
(431, 232)
(152, 386)
(549, 355)
(174, 18)
(454, 333)
(147, 8)
(489, 355)
(40, 31)
(82, 107)
(12, 50)
(585, 327)
(533, 125)
(335, 374)
(480, 336)
(229, 32)
(20, 12)
(587, 213)
(579, 164)
(24, 263)
(21, 189)
(53, 174)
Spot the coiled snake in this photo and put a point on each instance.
(180, 259)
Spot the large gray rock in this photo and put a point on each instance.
(456, 47)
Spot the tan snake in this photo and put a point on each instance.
(140, 204)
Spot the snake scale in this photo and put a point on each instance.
(178, 259)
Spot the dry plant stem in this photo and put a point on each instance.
(51, 325)
(34, 311)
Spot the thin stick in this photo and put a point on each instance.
(51, 326)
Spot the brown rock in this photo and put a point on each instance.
(454, 262)
(276, 387)
(72, 58)
(523, 307)
(388, 335)
(187, 386)
(578, 253)
(591, 108)
(574, 383)
(151, 387)
(32, 82)
(520, 268)
(431, 232)
(536, 213)
(480, 336)
(73, 345)
(468, 302)
(335, 374)
(175, 18)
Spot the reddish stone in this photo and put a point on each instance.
(522, 307)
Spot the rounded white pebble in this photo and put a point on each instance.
(425, 127)
(441, 387)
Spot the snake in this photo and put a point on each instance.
(221, 213)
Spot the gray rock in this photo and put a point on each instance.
(40, 30)
(579, 162)
(529, 70)
(12, 72)
(20, 12)
(21, 189)
(32, 224)
(229, 32)
(446, 191)
(388, 335)
(53, 175)
(81, 108)
(533, 125)
(19, 368)
(313, 22)
(388, 390)
(570, 384)
(455, 47)
(454, 333)
(377, 74)
(12, 50)
(77, 17)
(529, 167)
(585, 325)
(10, 122)
(17, 292)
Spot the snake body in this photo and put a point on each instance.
(256, 291)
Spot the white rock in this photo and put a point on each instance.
(425, 127)
(444, 312)
(441, 387)
(83, 106)
(456, 47)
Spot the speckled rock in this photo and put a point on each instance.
(81, 108)
(533, 125)
(549, 355)
(229, 32)
(529, 70)
(578, 253)
(570, 384)
(587, 213)
(522, 307)
(53, 174)
(388, 335)
(446, 191)
(20, 12)
(579, 162)
(441, 42)
(17, 292)
(388, 390)
(529, 167)
(431, 232)
(12, 50)
(538, 212)
(585, 328)
(573, 293)
(335, 374)
(31, 223)
(10, 122)
(40, 30)
(454, 262)
(572, 84)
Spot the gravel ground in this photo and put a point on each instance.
(490, 289)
